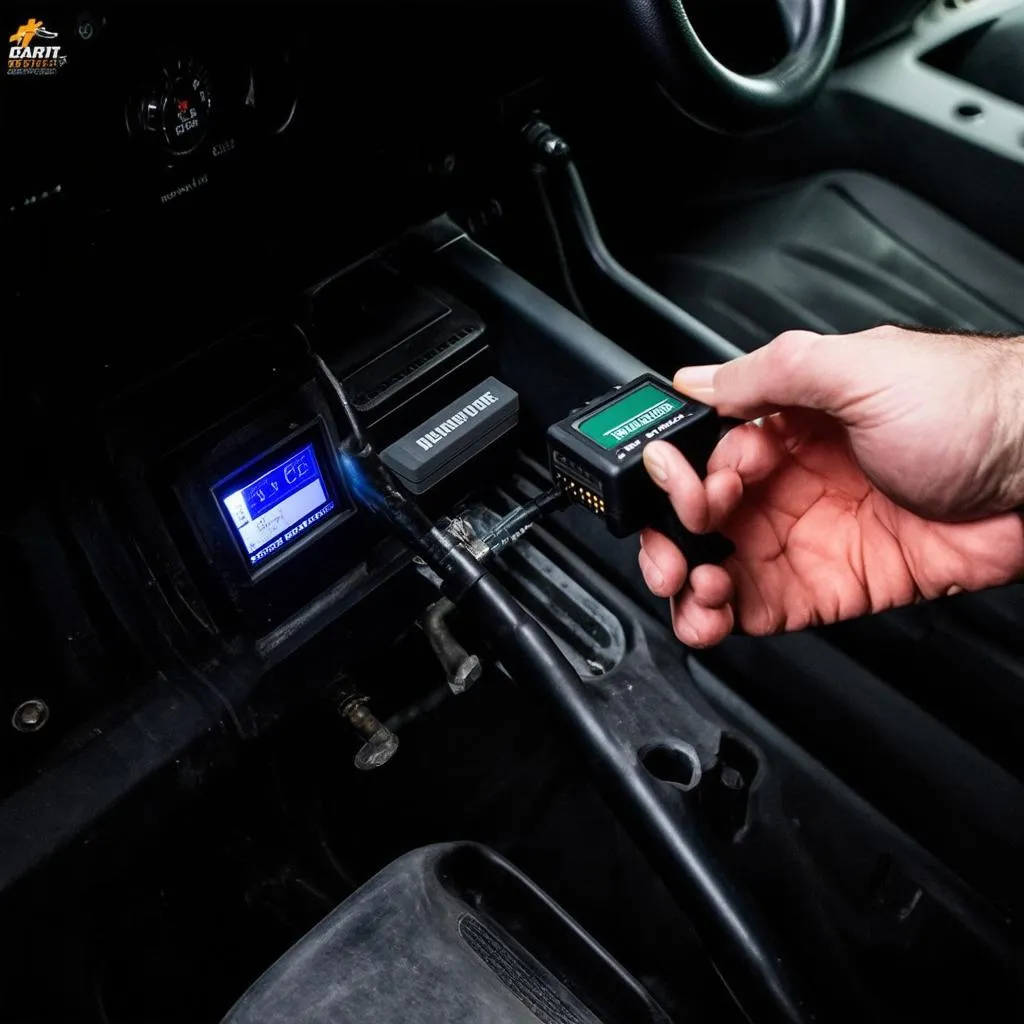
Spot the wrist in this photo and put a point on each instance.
(1009, 382)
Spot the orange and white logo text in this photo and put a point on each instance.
(33, 51)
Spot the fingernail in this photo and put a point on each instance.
(686, 634)
(654, 576)
(655, 465)
(696, 381)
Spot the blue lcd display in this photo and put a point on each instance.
(279, 506)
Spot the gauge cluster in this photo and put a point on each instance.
(141, 107)
(187, 106)
(213, 133)
(196, 113)
(177, 110)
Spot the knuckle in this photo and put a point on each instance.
(791, 349)
(887, 332)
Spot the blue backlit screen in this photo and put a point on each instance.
(280, 506)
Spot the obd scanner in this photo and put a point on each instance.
(596, 459)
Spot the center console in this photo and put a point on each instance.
(938, 112)
(920, 76)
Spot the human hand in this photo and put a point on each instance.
(883, 473)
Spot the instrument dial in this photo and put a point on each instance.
(179, 109)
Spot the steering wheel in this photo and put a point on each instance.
(721, 99)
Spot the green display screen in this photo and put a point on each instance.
(630, 415)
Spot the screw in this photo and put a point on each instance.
(30, 716)
(462, 670)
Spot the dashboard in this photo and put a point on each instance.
(192, 202)
(173, 159)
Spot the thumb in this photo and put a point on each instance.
(798, 368)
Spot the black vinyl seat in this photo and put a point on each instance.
(448, 934)
(838, 253)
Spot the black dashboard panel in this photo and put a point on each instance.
(190, 185)
(320, 133)
(156, 104)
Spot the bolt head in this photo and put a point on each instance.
(377, 750)
(466, 674)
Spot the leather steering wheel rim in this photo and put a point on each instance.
(722, 99)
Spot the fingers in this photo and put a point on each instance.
(668, 468)
(711, 586)
(724, 491)
(662, 564)
(751, 451)
(798, 368)
(702, 613)
(746, 455)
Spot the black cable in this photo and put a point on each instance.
(508, 530)
(553, 153)
(615, 274)
(373, 485)
(341, 397)
(539, 176)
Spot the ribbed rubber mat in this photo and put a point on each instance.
(523, 980)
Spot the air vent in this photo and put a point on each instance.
(422, 362)
(529, 983)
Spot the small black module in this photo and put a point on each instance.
(596, 453)
(439, 446)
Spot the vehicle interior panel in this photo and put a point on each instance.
(286, 742)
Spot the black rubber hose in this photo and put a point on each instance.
(748, 958)
(373, 485)
(687, 325)
(538, 172)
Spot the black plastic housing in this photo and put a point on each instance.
(612, 482)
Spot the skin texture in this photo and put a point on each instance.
(883, 470)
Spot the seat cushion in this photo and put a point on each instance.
(449, 934)
(837, 253)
